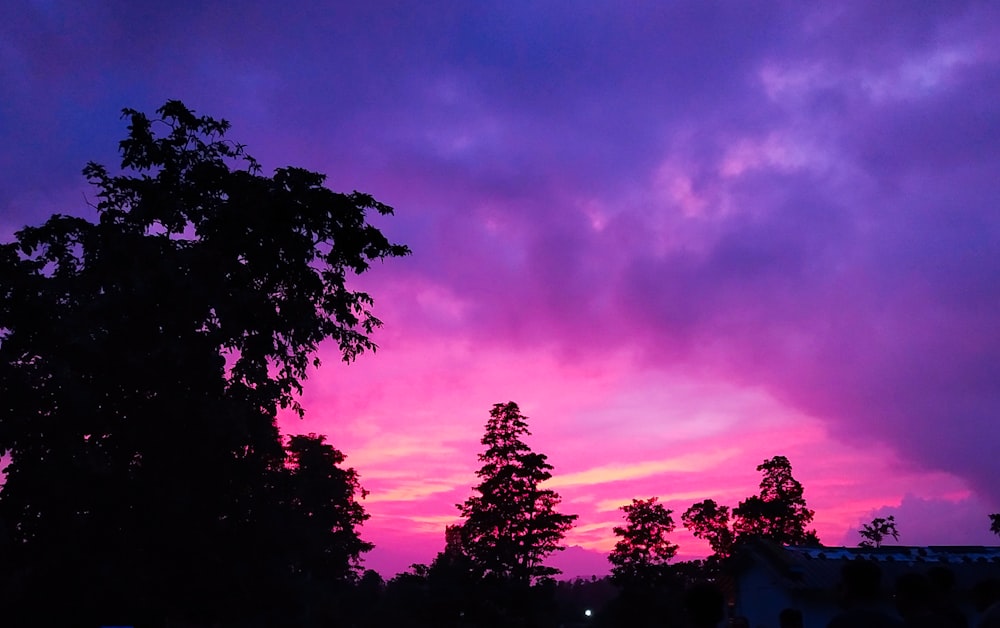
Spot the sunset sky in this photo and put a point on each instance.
(683, 236)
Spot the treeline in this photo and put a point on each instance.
(492, 570)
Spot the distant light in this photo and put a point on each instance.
(587, 613)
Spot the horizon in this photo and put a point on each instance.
(683, 238)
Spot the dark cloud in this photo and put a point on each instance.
(799, 198)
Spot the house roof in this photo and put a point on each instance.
(819, 568)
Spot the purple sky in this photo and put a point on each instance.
(683, 236)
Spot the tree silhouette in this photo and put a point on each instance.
(709, 521)
(325, 513)
(878, 530)
(454, 587)
(640, 558)
(995, 523)
(512, 524)
(406, 597)
(143, 359)
(779, 512)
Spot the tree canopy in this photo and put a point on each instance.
(779, 512)
(144, 357)
(511, 524)
(642, 554)
(710, 521)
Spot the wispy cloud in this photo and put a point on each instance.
(607, 474)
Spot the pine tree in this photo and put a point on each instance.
(511, 524)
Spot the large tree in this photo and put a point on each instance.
(779, 512)
(143, 359)
(995, 523)
(640, 558)
(511, 524)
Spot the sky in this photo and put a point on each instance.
(683, 236)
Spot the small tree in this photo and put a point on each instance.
(641, 556)
(878, 530)
(709, 521)
(995, 523)
(512, 524)
(779, 512)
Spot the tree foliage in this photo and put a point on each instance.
(878, 530)
(454, 590)
(779, 512)
(710, 521)
(995, 523)
(511, 523)
(642, 554)
(322, 498)
(144, 357)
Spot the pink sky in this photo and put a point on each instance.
(683, 237)
(614, 432)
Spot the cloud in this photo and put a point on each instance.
(413, 490)
(920, 521)
(793, 203)
(690, 463)
(387, 448)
